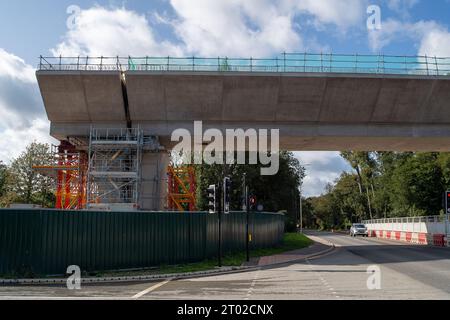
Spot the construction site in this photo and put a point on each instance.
(105, 159)
(115, 116)
(118, 169)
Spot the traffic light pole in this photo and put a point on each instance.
(247, 240)
(301, 211)
(447, 212)
(224, 208)
(220, 227)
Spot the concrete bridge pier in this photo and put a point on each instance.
(153, 188)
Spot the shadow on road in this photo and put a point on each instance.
(382, 252)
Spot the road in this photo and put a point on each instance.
(406, 272)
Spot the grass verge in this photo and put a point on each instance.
(291, 241)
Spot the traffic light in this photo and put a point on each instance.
(252, 202)
(212, 198)
(226, 194)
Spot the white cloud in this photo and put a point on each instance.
(321, 168)
(258, 27)
(342, 13)
(436, 42)
(11, 64)
(22, 113)
(98, 31)
(402, 7)
(432, 39)
(210, 28)
(390, 30)
(19, 94)
(15, 141)
(235, 28)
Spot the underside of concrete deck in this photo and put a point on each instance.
(320, 111)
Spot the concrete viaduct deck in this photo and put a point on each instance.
(314, 111)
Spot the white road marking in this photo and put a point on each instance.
(152, 288)
(322, 279)
(59, 298)
(252, 286)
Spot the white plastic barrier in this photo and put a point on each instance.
(432, 230)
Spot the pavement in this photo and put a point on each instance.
(406, 271)
(319, 247)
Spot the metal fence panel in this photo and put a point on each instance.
(48, 241)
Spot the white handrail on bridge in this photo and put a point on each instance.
(429, 219)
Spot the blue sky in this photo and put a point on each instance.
(32, 28)
(239, 28)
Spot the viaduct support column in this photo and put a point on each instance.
(153, 190)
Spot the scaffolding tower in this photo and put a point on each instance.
(69, 170)
(114, 171)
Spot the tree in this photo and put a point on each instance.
(418, 185)
(29, 186)
(388, 184)
(340, 206)
(6, 197)
(324, 209)
(276, 193)
(309, 217)
(443, 160)
(363, 164)
(349, 201)
(3, 175)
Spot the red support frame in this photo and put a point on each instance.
(70, 171)
(181, 188)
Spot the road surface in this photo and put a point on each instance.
(406, 272)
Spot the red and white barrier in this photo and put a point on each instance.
(411, 237)
(418, 230)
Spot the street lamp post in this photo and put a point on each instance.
(301, 210)
(246, 207)
(301, 203)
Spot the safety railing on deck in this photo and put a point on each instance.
(286, 62)
(426, 219)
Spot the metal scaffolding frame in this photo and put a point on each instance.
(69, 169)
(114, 171)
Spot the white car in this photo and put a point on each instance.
(358, 229)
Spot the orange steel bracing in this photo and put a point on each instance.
(70, 172)
(182, 188)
